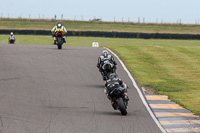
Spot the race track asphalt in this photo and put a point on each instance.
(46, 90)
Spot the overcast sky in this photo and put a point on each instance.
(108, 10)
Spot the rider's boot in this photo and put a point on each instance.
(112, 101)
(105, 91)
(113, 104)
(104, 76)
(64, 41)
(54, 38)
(126, 96)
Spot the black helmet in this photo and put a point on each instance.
(105, 53)
(113, 76)
(59, 24)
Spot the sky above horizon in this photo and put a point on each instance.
(167, 11)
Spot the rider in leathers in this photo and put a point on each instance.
(105, 56)
(59, 26)
(112, 83)
(12, 36)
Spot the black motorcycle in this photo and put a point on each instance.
(120, 102)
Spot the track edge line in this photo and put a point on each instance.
(139, 92)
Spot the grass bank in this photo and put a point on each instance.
(171, 67)
(41, 24)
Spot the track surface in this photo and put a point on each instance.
(46, 90)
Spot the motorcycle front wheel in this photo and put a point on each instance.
(121, 106)
(60, 43)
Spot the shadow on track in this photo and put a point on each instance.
(61, 49)
(95, 86)
(114, 113)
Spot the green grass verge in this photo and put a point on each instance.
(100, 26)
(171, 67)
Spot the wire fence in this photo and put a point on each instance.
(113, 19)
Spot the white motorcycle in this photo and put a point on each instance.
(11, 40)
(107, 69)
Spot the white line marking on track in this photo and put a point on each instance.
(139, 92)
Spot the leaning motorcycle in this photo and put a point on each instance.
(59, 38)
(107, 68)
(120, 102)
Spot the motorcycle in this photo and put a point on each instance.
(107, 69)
(59, 38)
(11, 40)
(120, 102)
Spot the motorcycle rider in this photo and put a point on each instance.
(12, 37)
(59, 26)
(112, 83)
(105, 56)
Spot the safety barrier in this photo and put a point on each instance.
(107, 34)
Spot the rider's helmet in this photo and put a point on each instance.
(11, 33)
(113, 76)
(105, 53)
(59, 24)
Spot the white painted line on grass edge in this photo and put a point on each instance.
(139, 92)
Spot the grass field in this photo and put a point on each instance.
(100, 26)
(171, 67)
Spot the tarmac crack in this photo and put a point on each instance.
(13, 78)
(49, 123)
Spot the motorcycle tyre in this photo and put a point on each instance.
(60, 42)
(121, 106)
(11, 42)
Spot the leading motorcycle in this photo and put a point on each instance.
(59, 38)
(11, 40)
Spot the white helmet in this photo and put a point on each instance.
(105, 53)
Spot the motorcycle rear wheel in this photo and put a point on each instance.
(121, 106)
